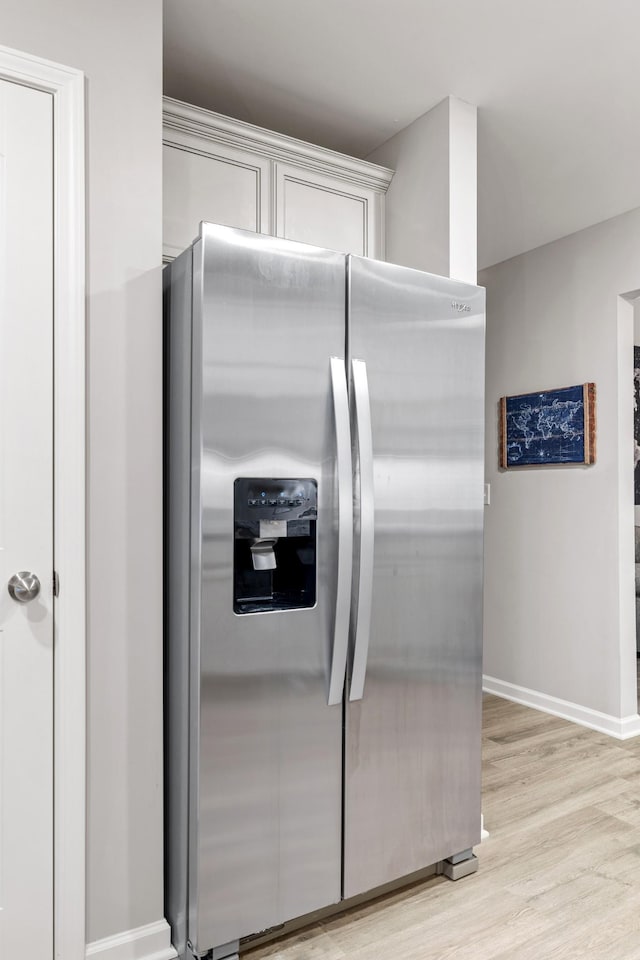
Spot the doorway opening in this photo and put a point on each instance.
(635, 303)
(629, 513)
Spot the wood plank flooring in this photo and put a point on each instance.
(559, 876)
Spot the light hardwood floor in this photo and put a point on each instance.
(559, 877)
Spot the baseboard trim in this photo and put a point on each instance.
(151, 942)
(622, 728)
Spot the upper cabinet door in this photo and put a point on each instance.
(225, 171)
(222, 185)
(315, 208)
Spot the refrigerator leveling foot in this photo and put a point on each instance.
(226, 951)
(460, 865)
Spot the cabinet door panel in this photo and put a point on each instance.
(325, 211)
(232, 190)
(27, 143)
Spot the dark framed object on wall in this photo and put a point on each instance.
(548, 427)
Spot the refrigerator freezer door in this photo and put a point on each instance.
(412, 758)
(266, 754)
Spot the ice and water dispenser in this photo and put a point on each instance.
(274, 555)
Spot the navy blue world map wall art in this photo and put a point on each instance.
(553, 426)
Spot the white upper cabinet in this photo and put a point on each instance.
(229, 172)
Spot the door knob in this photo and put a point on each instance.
(24, 586)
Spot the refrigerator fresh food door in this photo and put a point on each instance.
(412, 756)
(266, 753)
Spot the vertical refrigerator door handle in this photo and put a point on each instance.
(365, 580)
(345, 531)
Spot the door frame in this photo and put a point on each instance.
(66, 85)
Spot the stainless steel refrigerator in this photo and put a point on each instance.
(324, 511)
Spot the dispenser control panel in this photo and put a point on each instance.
(276, 499)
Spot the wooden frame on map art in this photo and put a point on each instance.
(549, 427)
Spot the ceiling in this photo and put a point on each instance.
(556, 83)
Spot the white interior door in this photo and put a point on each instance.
(26, 520)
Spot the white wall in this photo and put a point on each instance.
(119, 46)
(558, 545)
(431, 204)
